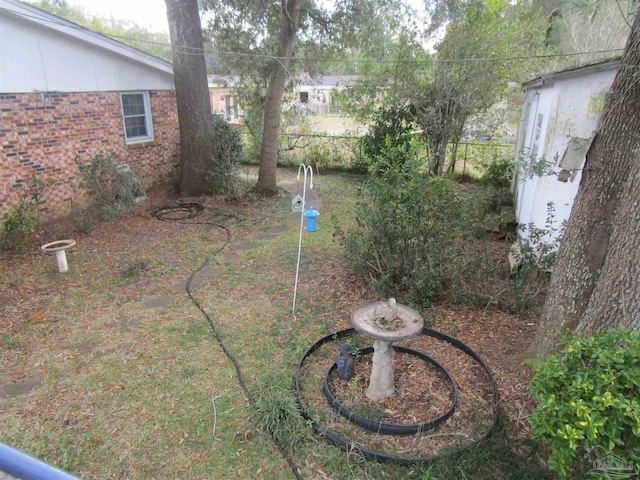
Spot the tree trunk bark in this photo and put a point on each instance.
(192, 97)
(596, 282)
(271, 128)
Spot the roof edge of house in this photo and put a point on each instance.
(605, 65)
(33, 14)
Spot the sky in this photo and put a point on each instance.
(149, 14)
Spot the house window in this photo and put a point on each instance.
(136, 111)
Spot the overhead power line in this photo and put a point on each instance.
(186, 50)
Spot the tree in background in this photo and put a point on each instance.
(266, 43)
(464, 77)
(596, 282)
(586, 26)
(192, 97)
(155, 43)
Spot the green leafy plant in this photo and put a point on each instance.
(227, 147)
(23, 219)
(589, 405)
(498, 173)
(276, 408)
(109, 191)
(391, 127)
(536, 256)
(415, 233)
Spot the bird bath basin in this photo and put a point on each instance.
(59, 248)
(385, 322)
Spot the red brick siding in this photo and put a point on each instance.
(42, 134)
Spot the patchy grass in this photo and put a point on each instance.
(133, 392)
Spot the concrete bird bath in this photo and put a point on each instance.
(385, 323)
(59, 248)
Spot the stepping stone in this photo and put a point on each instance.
(21, 387)
(128, 324)
(246, 246)
(290, 186)
(181, 285)
(161, 301)
(170, 259)
(265, 236)
(230, 257)
(83, 347)
(280, 228)
(210, 271)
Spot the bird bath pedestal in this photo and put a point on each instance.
(385, 322)
(59, 248)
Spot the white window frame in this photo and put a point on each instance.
(147, 119)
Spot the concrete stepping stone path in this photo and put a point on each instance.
(161, 301)
(21, 387)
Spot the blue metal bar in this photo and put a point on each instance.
(20, 465)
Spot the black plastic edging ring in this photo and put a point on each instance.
(380, 456)
(386, 428)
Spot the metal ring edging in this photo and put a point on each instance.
(386, 428)
(368, 454)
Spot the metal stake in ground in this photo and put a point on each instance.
(306, 169)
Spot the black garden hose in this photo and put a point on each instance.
(181, 212)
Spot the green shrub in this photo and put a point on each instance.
(23, 218)
(589, 405)
(276, 409)
(390, 128)
(498, 173)
(415, 234)
(18, 223)
(227, 146)
(109, 191)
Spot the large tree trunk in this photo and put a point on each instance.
(271, 129)
(192, 96)
(596, 281)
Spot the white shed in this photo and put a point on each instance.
(558, 122)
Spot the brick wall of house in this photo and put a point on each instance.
(42, 134)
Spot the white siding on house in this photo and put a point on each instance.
(50, 54)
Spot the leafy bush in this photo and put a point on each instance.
(23, 218)
(390, 128)
(415, 234)
(109, 191)
(18, 222)
(589, 405)
(498, 173)
(227, 147)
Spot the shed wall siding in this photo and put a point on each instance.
(570, 108)
(42, 134)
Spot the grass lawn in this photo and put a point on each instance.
(122, 377)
